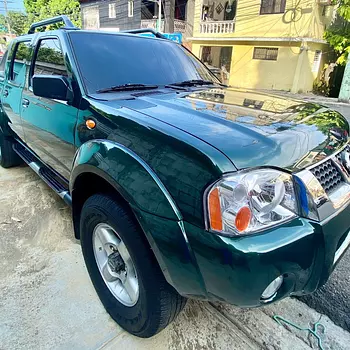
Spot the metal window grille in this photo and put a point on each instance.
(317, 61)
(272, 6)
(265, 53)
(130, 8)
(112, 11)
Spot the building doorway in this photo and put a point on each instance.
(218, 60)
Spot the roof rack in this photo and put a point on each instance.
(145, 30)
(63, 18)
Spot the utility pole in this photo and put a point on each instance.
(159, 15)
(169, 14)
(344, 94)
(6, 17)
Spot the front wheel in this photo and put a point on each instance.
(122, 267)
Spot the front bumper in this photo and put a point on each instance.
(236, 270)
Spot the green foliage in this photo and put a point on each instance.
(47, 54)
(38, 10)
(327, 120)
(321, 88)
(338, 35)
(17, 20)
(23, 52)
(344, 9)
(42, 9)
(309, 114)
(339, 39)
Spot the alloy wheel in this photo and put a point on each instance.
(115, 264)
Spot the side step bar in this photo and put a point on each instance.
(57, 183)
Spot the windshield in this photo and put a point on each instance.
(107, 60)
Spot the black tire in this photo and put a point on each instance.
(158, 303)
(8, 157)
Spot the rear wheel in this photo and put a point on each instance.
(8, 157)
(122, 267)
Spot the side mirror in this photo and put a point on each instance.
(52, 86)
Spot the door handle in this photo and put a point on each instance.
(6, 93)
(25, 103)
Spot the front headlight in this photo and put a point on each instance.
(251, 201)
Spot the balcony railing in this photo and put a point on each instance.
(217, 27)
(151, 23)
(179, 26)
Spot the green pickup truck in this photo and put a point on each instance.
(180, 186)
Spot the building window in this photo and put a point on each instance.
(91, 17)
(111, 11)
(130, 8)
(219, 10)
(317, 61)
(265, 53)
(272, 6)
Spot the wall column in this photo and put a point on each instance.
(298, 79)
(344, 94)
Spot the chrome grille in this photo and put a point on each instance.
(328, 175)
(332, 190)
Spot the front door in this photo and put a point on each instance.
(49, 124)
(12, 87)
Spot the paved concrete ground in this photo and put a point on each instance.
(47, 300)
(333, 299)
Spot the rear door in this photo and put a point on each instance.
(49, 124)
(11, 96)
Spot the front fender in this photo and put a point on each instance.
(128, 173)
(152, 204)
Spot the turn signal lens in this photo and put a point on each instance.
(243, 219)
(90, 124)
(215, 210)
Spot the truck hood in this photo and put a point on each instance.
(250, 128)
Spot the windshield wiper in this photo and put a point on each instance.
(127, 87)
(192, 82)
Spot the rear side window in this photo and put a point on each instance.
(19, 61)
(3, 65)
(49, 58)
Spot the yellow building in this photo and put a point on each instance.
(264, 44)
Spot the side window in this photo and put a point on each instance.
(3, 65)
(18, 63)
(49, 58)
(272, 6)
